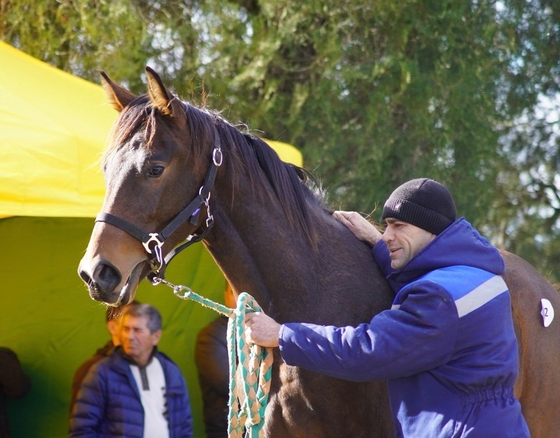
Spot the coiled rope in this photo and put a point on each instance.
(248, 394)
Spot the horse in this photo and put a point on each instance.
(272, 234)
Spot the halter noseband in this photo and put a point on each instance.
(153, 242)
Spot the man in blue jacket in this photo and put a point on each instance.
(136, 392)
(447, 346)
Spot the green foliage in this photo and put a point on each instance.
(374, 92)
(79, 36)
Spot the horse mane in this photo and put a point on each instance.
(295, 189)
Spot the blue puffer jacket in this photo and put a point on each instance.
(447, 346)
(108, 403)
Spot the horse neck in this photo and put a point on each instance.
(260, 253)
(251, 245)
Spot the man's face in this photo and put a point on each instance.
(404, 241)
(136, 339)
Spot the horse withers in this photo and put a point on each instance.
(175, 172)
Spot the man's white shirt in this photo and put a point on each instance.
(151, 385)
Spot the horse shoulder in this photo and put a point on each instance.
(352, 277)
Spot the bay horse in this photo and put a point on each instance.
(273, 236)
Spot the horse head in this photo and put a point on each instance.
(143, 215)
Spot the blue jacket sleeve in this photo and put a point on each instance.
(87, 415)
(417, 336)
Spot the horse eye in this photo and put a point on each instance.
(155, 171)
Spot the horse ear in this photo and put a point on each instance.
(159, 94)
(118, 96)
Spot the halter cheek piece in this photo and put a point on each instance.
(153, 242)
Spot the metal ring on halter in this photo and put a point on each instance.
(215, 153)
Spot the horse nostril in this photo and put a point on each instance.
(105, 278)
(85, 277)
(87, 280)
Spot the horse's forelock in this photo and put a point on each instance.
(140, 114)
(130, 120)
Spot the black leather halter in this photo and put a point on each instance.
(153, 242)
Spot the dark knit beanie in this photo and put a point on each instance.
(422, 202)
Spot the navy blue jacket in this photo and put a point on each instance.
(108, 403)
(447, 346)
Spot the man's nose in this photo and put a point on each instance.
(387, 235)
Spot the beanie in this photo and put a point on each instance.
(421, 202)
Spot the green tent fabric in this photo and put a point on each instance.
(53, 128)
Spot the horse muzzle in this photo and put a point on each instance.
(103, 281)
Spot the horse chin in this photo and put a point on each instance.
(128, 291)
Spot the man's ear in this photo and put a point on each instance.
(112, 327)
(156, 336)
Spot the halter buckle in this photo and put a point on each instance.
(154, 237)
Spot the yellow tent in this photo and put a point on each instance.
(53, 128)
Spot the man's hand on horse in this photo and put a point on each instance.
(360, 226)
(261, 329)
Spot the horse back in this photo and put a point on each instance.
(539, 346)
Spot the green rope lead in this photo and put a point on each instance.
(247, 405)
(247, 408)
